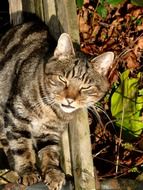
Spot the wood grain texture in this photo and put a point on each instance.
(81, 152)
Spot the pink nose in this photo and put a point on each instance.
(69, 100)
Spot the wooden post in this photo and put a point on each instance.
(28, 6)
(82, 162)
(15, 10)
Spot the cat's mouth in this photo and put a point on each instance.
(67, 108)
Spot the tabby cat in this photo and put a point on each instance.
(39, 95)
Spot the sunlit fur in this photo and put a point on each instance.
(39, 95)
(74, 80)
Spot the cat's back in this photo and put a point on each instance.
(28, 36)
(18, 47)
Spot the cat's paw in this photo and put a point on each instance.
(54, 179)
(29, 179)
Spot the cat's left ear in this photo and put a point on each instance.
(103, 62)
(64, 47)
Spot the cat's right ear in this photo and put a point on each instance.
(103, 62)
(64, 47)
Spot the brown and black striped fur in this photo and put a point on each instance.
(39, 95)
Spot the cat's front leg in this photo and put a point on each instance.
(23, 156)
(54, 178)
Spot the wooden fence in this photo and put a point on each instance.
(60, 16)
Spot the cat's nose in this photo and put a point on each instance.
(69, 100)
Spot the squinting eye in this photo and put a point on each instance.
(63, 80)
(52, 82)
(85, 88)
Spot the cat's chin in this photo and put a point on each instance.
(67, 109)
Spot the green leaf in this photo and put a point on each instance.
(102, 2)
(114, 2)
(137, 2)
(102, 11)
(138, 21)
(141, 92)
(126, 104)
(134, 170)
(79, 3)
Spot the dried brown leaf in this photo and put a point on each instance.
(131, 60)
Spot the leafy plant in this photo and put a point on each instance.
(102, 5)
(137, 2)
(114, 2)
(79, 3)
(139, 21)
(101, 8)
(127, 103)
(102, 11)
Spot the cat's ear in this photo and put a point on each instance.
(103, 62)
(64, 47)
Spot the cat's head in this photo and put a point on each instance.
(75, 83)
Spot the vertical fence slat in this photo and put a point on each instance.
(66, 157)
(73, 29)
(15, 10)
(28, 7)
(39, 9)
(82, 162)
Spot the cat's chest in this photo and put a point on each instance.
(46, 123)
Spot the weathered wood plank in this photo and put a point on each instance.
(73, 30)
(49, 9)
(82, 162)
(39, 9)
(66, 157)
(51, 18)
(28, 7)
(15, 10)
(66, 13)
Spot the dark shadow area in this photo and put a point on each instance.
(4, 17)
(3, 160)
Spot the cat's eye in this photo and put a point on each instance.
(53, 83)
(85, 88)
(61, 78)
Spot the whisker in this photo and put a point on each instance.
(38, 104)
(48, 100)
(105, 113)
(95, 109)
(95, 112)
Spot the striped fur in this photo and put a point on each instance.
(39, 95)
